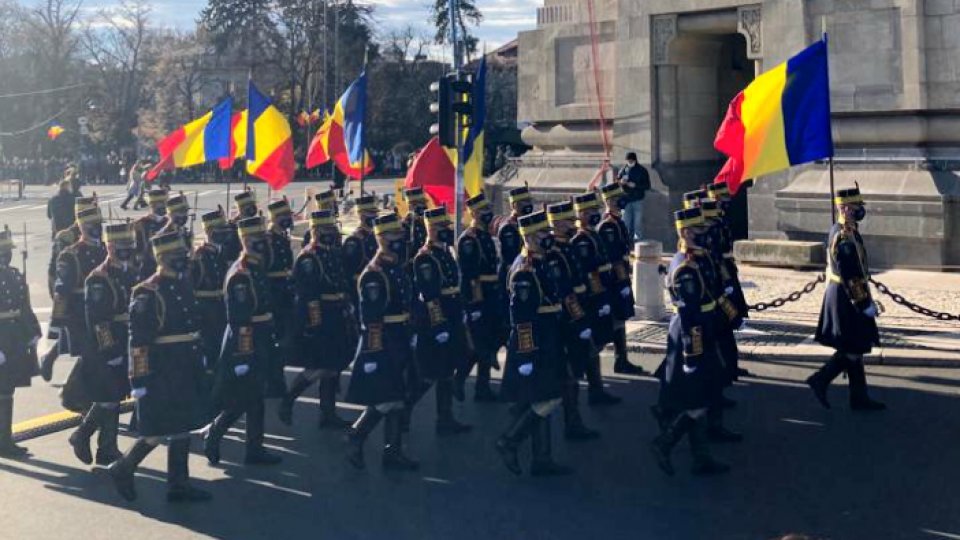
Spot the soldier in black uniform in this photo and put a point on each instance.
(147, 227)
(325, 200)
(577, 334)
(166, 372)
(413, 222)
(510, 241)
(618, 244)
(384, 354)
(248, 345)
(848, 316)
(592, 258)
(19, 334)
(536, 369)
(324, 326)
(692, 364)
(483, 298)
(246, 203)
(178, 214)
(209, 267)
(68, 325)
(360, 247)
(279, 272)
(103, 366)
(438, 318)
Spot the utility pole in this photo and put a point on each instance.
(458, 124)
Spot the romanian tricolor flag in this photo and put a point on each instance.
(238, 139)
(328, 144)
(781, 119)
(269, 141)
(352, 111)
(54, 131)
(205, 139)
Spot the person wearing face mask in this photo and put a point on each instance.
(848, 314)
(166, 372)
(360, 247)
(592, 258)
(19, 334)
(533, 378)
(692, 362)
(323, 326)
(482, 296)
(384, 355)
(246, 204)
(147, 227)
(413, 222)
(248, 344)
(438, 319)
(618, 245)
(103, 366)
(326, 200)
(68, 325)
(279, 271)
(208, 268)
(178, 214)
(510, 241)
(577, 334)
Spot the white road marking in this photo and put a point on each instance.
(209, 192)
(39, 207)
(14, 208)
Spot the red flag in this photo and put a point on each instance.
(165, 164)
(433, 170)
(730, 174)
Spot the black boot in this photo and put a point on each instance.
(358, 434)
(859, 400)
(596, 395)
(328, 406)
(107, 451)
(122, 470)
(622, 363)
(256, 454)
(420, 389)
(46, 363)
(460, 379)
(663, 445)
(543, 463)
(218, 428)
(80, 438)
(393, 457)
(299, 386)
(8, 449)
(178, 474)
(573, 426)
(703, 463)
(446, 423)
(716, 432)
(820, 381)
(508, 443)
(482, 392)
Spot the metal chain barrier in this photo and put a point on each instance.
(792, 297)
(899, 299)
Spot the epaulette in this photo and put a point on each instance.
(151, 284)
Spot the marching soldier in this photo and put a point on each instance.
(692, 363)
(209, 271)
(618, 243)
(103, 366)
(279, 271)
(178, 214)
(508, 236)
(384, 354)
(325, 200)
(442, 342)
(148, 226)
(595, 264)
(246, 204)
(166, 372)
(66, 238)
(577, 335)
(483, 297)
(360, 247)
(68, 325)
(413, 222)
(324, 325)
(848, 316)
(535, 372)
(248, 346)
(19, 334)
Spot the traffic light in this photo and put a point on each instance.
(445, 128)
(462, 86)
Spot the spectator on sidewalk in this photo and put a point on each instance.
(635, 181)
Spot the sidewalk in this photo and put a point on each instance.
(786, 334)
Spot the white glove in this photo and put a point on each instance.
(526, 369)
(728, 291)
(871, 311)
(241, 370)
(443, 337)
(688, 369)
(138, 393)
(586, 334)
(116, 362)
(413, 342)
(475, 316)
(604, 311)
(3, 358)
(34, 341)
(625, 292)
(369, 367)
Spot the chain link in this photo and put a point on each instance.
(899, 299)
(792, 297)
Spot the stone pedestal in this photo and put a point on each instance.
(647, 281)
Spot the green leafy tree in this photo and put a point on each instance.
(467, 16)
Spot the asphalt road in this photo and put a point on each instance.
(828, 474)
